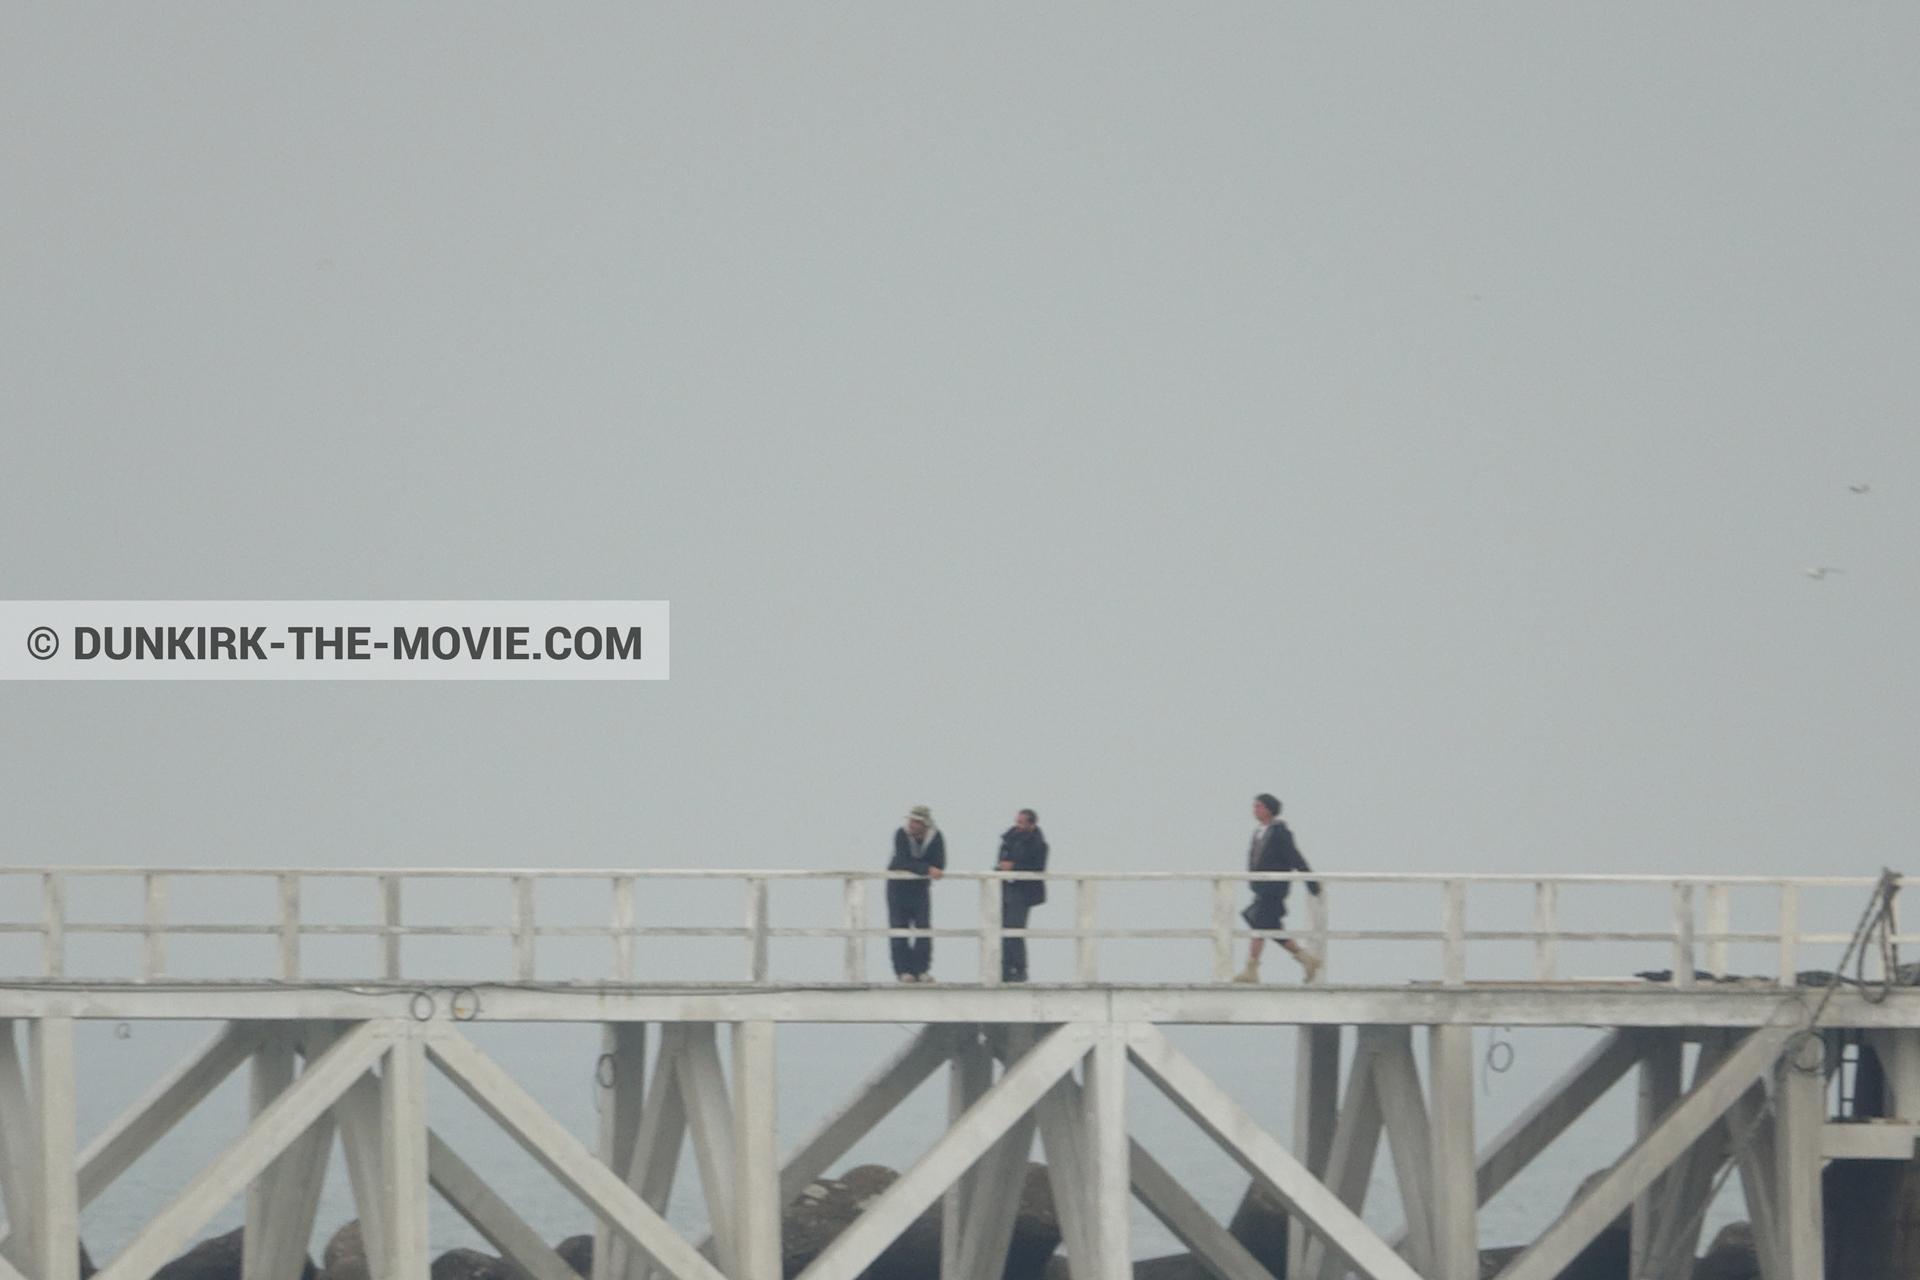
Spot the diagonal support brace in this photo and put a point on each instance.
(984, 1123)
(1692, 1116)
(1305, 1196)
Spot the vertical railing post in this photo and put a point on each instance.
(989, 932)
(153, 937)
(622, 923)
(1546, 931)
(1086, 925)
(1453, 931)
(53, 925)
(289, 926)
(756, 929)
(1222, 930)
(1317, 941)
(1789, 933)
(390, 926)
(523, 926)
(1682, 934)
(853, 917)
(1719, 921)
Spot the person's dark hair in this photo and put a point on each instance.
(1032, 816)
(1266, 799)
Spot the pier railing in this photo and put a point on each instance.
(1683, 927)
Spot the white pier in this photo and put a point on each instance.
(347, 994)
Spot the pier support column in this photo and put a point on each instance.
(710, 1122)
(620, 1081)
(403, 1133)
(1065, 1123)
(1403, 1108)
(655, 1161)
(1111, 1151)
(1000, 1177)
(1690, 1181)
(18, 1172)
(270, 1073)
(1899, 1051)
(59, 1235)
(1800, 1110)
(1456, 1244)
(1316, 1112)
(1660, 1068)
(1349, 1172)
(970, 1076)
(357, 1114)
(757, 1164)
(283, 1201)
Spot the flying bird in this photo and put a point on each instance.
(1860, 488)
(1823, 572)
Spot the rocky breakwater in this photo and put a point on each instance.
(816, 1217)
(217, 1258)
(826, 1208)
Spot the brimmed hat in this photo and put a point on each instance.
(921, 812)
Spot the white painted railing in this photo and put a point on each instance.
(1696, 933)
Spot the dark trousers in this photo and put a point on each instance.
(909, 906)
(1013, 951)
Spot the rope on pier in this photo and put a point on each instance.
(1876, 919)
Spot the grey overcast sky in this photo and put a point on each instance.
(1428, 413)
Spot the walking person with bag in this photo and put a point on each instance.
(1022, 848)
(1273, 849)
(919, 848)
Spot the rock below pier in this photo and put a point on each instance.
(217, 1258)
(577, 1252)
(471, 1264)
(345, 1257)
(827, 1207)
(214, 1259)
(1172, 1266)
(1731, 1256)
(1260, 1223)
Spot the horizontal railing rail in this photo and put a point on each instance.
(1694, 933)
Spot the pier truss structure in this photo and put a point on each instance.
(1734, 1074)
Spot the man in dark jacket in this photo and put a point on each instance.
(1273, 849)
(1022, 848)
(919, 848)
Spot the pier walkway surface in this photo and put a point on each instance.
(1769, 1023)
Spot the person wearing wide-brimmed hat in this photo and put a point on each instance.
(920, 849)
